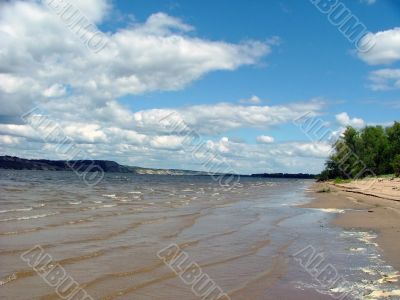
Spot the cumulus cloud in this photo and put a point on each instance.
(56, 90)
(344, 120)
(158, 143)
(206, 120)
(252, 100)
(43, 63)
(384, 79)
(265, 139)
(41, 55)
(167, 142)
(222, 117)
(386, 49)
(9, 140)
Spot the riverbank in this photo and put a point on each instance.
(366, 207)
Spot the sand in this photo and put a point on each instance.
(368, 206)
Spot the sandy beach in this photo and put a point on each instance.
(367, 207)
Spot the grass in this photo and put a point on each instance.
(388, 176)
(341, 180)
(324, 190)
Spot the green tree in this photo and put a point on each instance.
(396, 165)
(393, 134)
(359, 151)
(374, 149)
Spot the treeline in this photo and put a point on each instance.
(373, 150)
(285, 175)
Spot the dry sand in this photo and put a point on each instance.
(368, 205)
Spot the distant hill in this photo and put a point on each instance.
(16, 163)
(285, 175)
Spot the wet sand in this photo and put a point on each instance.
(366, 207)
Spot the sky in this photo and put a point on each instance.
(237, 74)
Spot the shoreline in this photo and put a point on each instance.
(362, 211)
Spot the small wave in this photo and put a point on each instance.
(75, 203)
(353, 249)
(15, 210)
(112, 196)
(379, 294)
(29, 217)
(102, 206)
(134, 192)
(8, 279)
(331, 210)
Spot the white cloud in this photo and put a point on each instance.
(167, 142)
(157, 146)
(10, 84)
(385, 79)
(38, 50)
(386, 49)
(18, 131)
(9, 140)
(265, 139)
(344, 120)
(56, 90)
(222, 117)
(84, 132)
(42, 62)
(252, 100)
(162, 24)
(94, 10)
(221, 147)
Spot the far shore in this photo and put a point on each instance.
(368, 206)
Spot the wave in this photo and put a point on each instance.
(75, 203)
(29, 217)
(16, 210)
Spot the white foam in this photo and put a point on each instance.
(75, 203)
(15, 210)
(357, 249)
(110, 196)
(331, 210)
(108, 205)
(29, 217)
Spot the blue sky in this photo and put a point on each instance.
(281, 53)
(312, 60)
